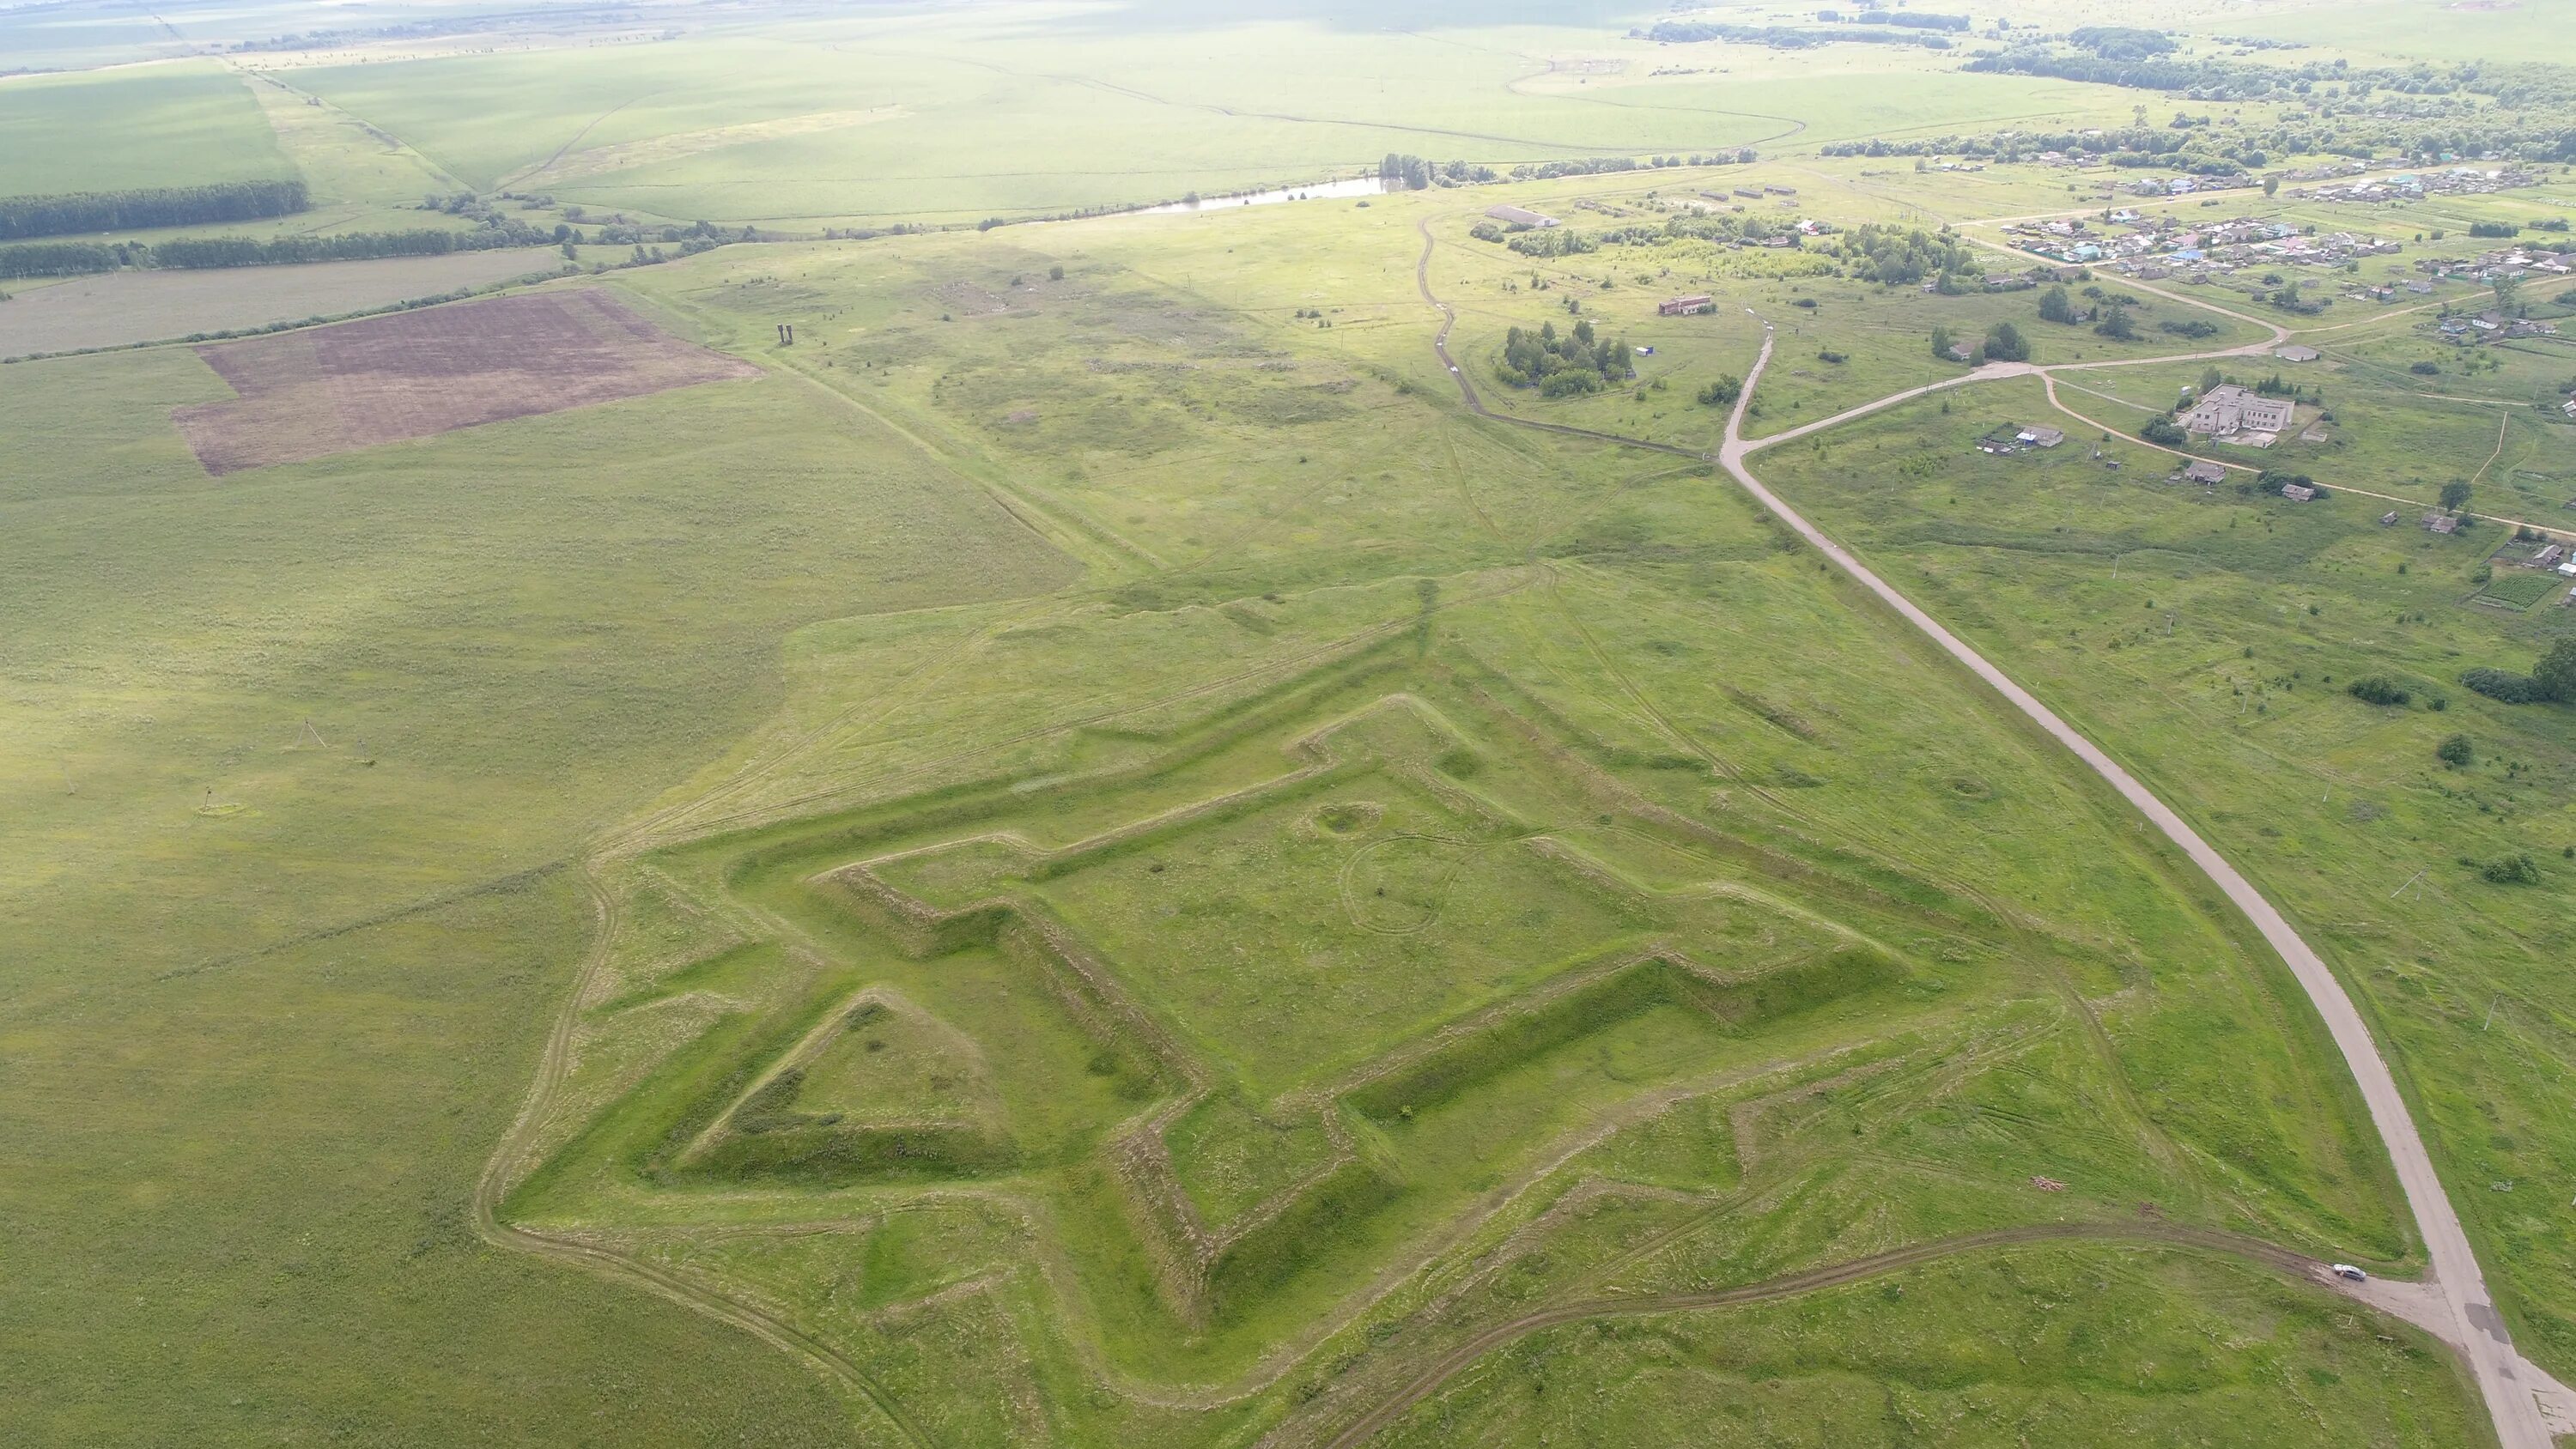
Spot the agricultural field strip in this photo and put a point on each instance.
(2508, 1382)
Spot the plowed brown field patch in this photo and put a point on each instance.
(306, 395)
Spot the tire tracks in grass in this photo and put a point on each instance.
(528, 174)
(1813, 1280)
(510, 1158)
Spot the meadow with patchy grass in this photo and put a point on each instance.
(1055, 834)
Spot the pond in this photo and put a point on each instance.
(1353, 186)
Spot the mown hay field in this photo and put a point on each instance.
(125, 307)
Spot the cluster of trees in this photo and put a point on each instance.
(1565, 241)
(2493, 228)
(2144, 60)
(1913, 19)
(2333, 116)
(2553, 678)
(1554, 241)
(1723, 392)
(1414, 173)
(94, 211)
(1784, 37)
(2201, 153)
(1897, 256)
(1598, 165)
(2003, 343)
(2163, 429)
(2121, 42)
(1562, 364)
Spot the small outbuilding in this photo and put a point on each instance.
(2203, 472)
(1519, 216)
(2295, 353)
(2297, 492)
(1687, 306)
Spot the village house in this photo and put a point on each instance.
(2441, 523)
(2040, 437)
(2228, 409)
(2206, 473)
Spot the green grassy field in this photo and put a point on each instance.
(181, 124)
(856, 121)
(1094, 859)
(1552, 690)
(2216, 663)
(326, 996)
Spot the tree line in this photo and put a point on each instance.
(23, 217)
(1415, 173)
(68, 259)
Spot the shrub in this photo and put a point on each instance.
(2425, 369)
(2503, 684)
(1723, 391)
(2512, 870)
(2164, 430)
(2379, 689)
(2456, 752)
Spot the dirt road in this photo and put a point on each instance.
(2463, 1314)
(2508, 1381)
